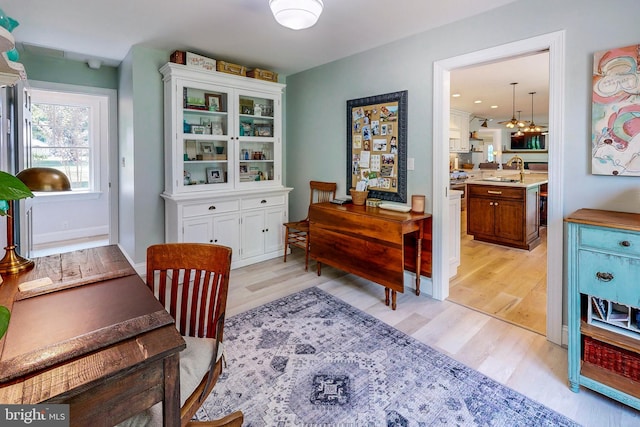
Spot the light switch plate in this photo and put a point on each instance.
(410, 163)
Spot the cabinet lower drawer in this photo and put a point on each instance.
(609, 276)
(212, 207)
(622, 242)
(261, 202)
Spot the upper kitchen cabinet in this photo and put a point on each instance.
(222, 132)
(459, 131)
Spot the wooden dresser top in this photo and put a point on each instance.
(603, 218)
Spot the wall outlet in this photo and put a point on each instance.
(65, 225)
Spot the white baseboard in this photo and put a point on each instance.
(76, 233)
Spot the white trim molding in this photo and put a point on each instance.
(555, 44)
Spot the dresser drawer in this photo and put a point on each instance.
(209, 208)
(609, 276)
(621, 242)
(262, 202)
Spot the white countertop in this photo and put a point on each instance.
(530, 180)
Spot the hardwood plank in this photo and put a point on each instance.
(507, 283)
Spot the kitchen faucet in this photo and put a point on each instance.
(521, 165)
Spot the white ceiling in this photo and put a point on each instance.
(491, 84)
(244, 32)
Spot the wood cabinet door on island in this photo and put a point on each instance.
(504, 215)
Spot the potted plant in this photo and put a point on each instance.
(11, 188)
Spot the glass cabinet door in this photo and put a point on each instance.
(206, 149)
(258, 127)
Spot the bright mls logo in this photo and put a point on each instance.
(34, 415)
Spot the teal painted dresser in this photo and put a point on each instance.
(603, 258)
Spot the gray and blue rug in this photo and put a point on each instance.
(312, 360)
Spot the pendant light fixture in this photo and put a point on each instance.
(296, 14)
(513, 122)
(532, 126)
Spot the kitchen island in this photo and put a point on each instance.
(505, 211)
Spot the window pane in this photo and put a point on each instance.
(61, 140)
(73, 162)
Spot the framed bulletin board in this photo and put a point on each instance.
(377, 145)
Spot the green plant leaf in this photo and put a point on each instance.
(5, 315)
(11, 188)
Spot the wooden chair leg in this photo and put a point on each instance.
(232, 420)
(306, 252)
(286, 242)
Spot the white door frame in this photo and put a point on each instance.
(108, 156)
(555, 43)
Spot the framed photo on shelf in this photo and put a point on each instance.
(206, 147)
(197, 130)
(213, 101)
(377, 145)
(246, 106)
(215, 175)
(263, 130)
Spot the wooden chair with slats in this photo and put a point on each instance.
(297, 232)
(191, 280)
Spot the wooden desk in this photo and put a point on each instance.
(105, 345)
(373, 243)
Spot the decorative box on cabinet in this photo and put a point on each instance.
(223, 155)
(603, 295)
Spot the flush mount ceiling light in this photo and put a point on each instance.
(296, 14)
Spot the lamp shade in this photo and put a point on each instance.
(296, 14)
(36, 179)
(44, 179)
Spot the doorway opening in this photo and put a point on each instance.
(504, 282)
(71, 129)
(554, 43)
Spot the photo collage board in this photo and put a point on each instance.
(377, 132)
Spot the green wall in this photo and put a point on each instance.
(141, 151)
(316, 99)
(314, 112)
(61, 70)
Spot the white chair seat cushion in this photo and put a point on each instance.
(194, 364)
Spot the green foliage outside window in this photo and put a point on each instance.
(61, 140)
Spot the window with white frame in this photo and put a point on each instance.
(66, 134)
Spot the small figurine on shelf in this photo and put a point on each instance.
(187, 178)
(257, 110)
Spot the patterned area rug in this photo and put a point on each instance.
(312, 360)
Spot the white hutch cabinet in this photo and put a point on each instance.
(223, 162)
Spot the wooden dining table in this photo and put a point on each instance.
(95, 338)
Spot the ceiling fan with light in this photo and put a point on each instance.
(513, 122)
(532, 127)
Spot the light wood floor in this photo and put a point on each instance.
(507, 283)
(516, 357)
